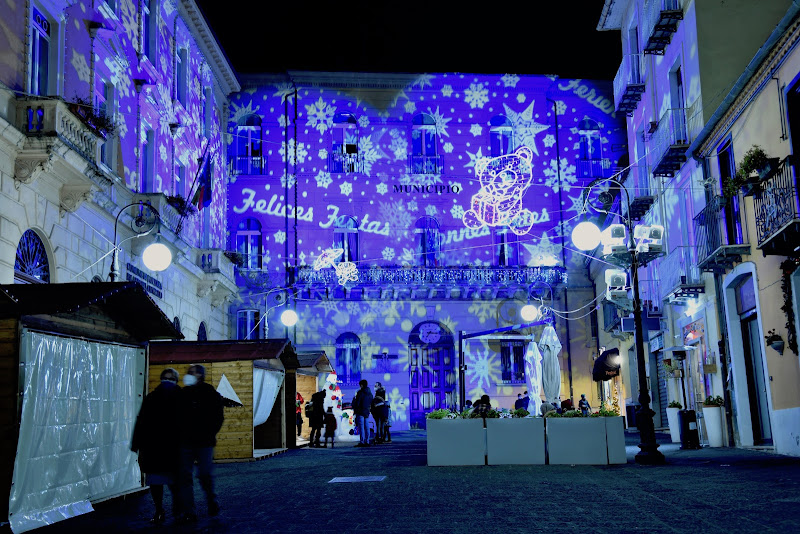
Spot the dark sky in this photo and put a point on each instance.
(487, 36)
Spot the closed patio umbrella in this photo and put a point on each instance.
(550, 346)
(533, 375)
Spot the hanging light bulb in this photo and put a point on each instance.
(529, 312)
(157, 256)
(586, 236)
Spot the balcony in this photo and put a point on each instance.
(714, 253)
(247, 165)
(650, 297)
(660, 21)
(777, 212)
(669, 143)
(593, 168)
(681, 280)
(641, 196)
(422, 164)
(345, 162)
(629, 83)
(217, 282)
(169, 215)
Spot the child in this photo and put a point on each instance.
(330, 427)
(387, 422)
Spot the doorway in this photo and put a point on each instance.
(431, 369)
(756, 381)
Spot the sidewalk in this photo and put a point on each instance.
(720, 490)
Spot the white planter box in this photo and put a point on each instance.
(615, 440)
(713, 418)
(456, 442)
(515, 441)
(674, 424)
(577, 440)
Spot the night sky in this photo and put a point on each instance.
(530, 37)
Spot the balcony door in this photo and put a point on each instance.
(732, 210)
(432, 378)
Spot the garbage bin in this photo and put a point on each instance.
(630, 412)
(690, 437)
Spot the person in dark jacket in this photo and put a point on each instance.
(361, 405)
(330, 427)
(317, 419)
(376, 409)
(520, 402)
(200, 415)
(156, 439)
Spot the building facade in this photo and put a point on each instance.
(399, 215)
(111, 112)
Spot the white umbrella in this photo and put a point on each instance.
(551, 371)
(533, 375)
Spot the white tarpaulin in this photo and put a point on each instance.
(533, 375)
(550, 346)
(266, 385)
(79, 406)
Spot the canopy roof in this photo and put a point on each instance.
(224, 351)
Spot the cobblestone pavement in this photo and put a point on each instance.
(710, 491)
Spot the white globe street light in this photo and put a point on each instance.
(289, 318)
(529, 312)
(586, 236)
(157, 256)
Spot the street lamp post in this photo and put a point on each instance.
(648, 453)
(156, 256)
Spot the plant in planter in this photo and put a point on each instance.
(237, 258)
(775, 341)
(181, 205)
(673, 420)
(755, 167)
(712, 413)
(520, 413)
(442, 414)
(675, 404)
(714, 401)
(97, 121)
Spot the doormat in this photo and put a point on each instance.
(355, 479)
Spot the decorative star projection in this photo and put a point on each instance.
(504, 180)
(525, 127)
(327, 258)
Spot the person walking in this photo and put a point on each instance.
(298, 402)
(583, 405)
(200, 418)
(361, 405)
(156, 439)
(330, 427)
(317, 419)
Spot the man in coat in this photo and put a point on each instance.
(361, 405)
(201, 416)
(156, 439)
(317, 419)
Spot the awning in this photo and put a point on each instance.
(224, 351)
(126, 303)
(607, 365)
(314, 362)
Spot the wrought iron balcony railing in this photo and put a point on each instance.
(247, 165)
(714, 252)
(421, 164)
(659, 22)
(594, 168)
(681, 279)
(629, 83)
(777, 211)
(669, 143)
(344, 162)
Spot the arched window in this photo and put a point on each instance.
(248, 243)
(501, 138)
(31, 265)
(512, 361)
(344, 146)
(201, 332)
(247, 324)
(249, 158)
(424, 156)
(427, 233)
(507, 247)
(345, 236)
(348, 358)
(590, 156)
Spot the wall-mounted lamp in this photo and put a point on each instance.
(775, 341)
(156, 256)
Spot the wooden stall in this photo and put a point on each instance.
(313, 366)
(230, 369)
(115, 314)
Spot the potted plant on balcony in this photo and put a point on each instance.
(99, 123)
(775, 341)
(754, 168)
(181, 205)
(674, 421)
(712, 413)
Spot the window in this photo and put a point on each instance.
(500, 136)
(247, 324)
(41, 33)
(512, 364)
(427, 232)
(424, 157)
(180, 180)
(590, 155)
(344, 148)
(181, 75)
(507, 247)
(31, 265)
(104, 105)
(348, 358)
(148, 29)
(345, 236)
(248, 243)
(248, 159)
(149, 162)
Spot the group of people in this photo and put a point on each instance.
(320, 418)
(566, 405)
(176, 428)
(366, 404)
(482, 405)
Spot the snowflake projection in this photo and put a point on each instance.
(122, 125)
(363, 121)
(81, 67)
(398, 145)
(322, 154)
(395, 215)
(411, 205)
(313, 327)
(447, 90)
(284, 91)
(521, 98)
(301, 152)
(320, 115)
(323, 179)
(525, 127)
(302, 257)
(382, 188)
(391, 313)
(474, 158)
(346, 188)
(457, 211)
(567, 175)
(510, 80)
(398, 404)
(240, 112)
(347, 271)
(420, 179)
(423, 80)
(476, 96)
(561, 107)
(577, 204)
(327, 257)
(328, 307)
(549, 140)
(280, 237)
(483, 367)
(482, 309)
(476, 130)
(288, 180)
(367, 319)
(448, 147)
(388, 253)
(408, 257)
(368, 153)
(544, 253)
(431, 210)
(410, 107)
(162, 152)
(353, 308)
(440, 121)
(130, 20)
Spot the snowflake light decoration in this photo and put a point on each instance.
(347, 272)
(327, 258)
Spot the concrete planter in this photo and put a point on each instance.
(515, 441)
(456, 442)
(713, 419)
(576, 440)
(674, 424)
(615, 440)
